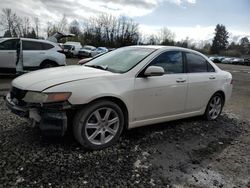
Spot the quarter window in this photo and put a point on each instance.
(47, 46)
(31, 45)
(196, 63)
(170, 61)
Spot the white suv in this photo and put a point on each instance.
(37, 54)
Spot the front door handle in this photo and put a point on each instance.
(180, 80)
(211, 77)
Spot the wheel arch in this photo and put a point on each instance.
(113, 99)
(120, 103)
(222, 94)
(48, 61)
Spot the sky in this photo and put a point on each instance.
(195, 19)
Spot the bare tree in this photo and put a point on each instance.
(166, 36)
(7, 21)
(36, 25)
(62, 25)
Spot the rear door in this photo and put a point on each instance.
(202, 81)
(33, 53)
(8, 54)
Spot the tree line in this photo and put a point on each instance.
(110, 31)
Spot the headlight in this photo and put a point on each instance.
(37, 97)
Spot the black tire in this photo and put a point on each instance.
(208, 115)
(48, 64)
(85, 115)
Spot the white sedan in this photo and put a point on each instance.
(126, 88)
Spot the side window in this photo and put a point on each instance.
(196, 63)
(31, 45)
(171, 62)
(9, 44)
(47, 46)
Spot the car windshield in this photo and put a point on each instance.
(68, 47)
(121, 60)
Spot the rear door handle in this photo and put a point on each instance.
(211, 77)
(180, 80)
(42, 53)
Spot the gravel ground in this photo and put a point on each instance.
(186, 153)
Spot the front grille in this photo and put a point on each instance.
(17, 95)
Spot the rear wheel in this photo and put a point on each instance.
(98, 125)
(48, 64)
(214, 107)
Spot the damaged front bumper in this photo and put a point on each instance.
(51, 117)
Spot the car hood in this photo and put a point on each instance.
(43, 79)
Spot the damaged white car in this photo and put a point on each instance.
(126, 88)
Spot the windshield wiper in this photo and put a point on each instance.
(102, 67)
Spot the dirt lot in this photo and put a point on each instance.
(185, 153)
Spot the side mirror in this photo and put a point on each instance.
(154, 71)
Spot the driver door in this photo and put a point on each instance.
(161, 96)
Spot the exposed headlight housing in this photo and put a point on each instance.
(38, 97)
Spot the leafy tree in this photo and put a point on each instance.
(245, 45)
(220, 40)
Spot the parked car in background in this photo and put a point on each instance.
(247, 61)
(125, 88)
(227, 60)
(86, 51)
(238, 61)
(216, 59)
(71, 49)
(37, 54)
(68, 50)
(85, 60)
(99, 50)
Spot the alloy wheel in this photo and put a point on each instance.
(101, 126)
(215, 107)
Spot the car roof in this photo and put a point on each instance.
(29, 39)
(158, 47)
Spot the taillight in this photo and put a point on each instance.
(60, 51)
(232, 81)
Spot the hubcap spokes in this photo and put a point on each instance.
(215, 107)
(101, 126)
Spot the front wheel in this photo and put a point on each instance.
(98, 125)
(214, 107)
